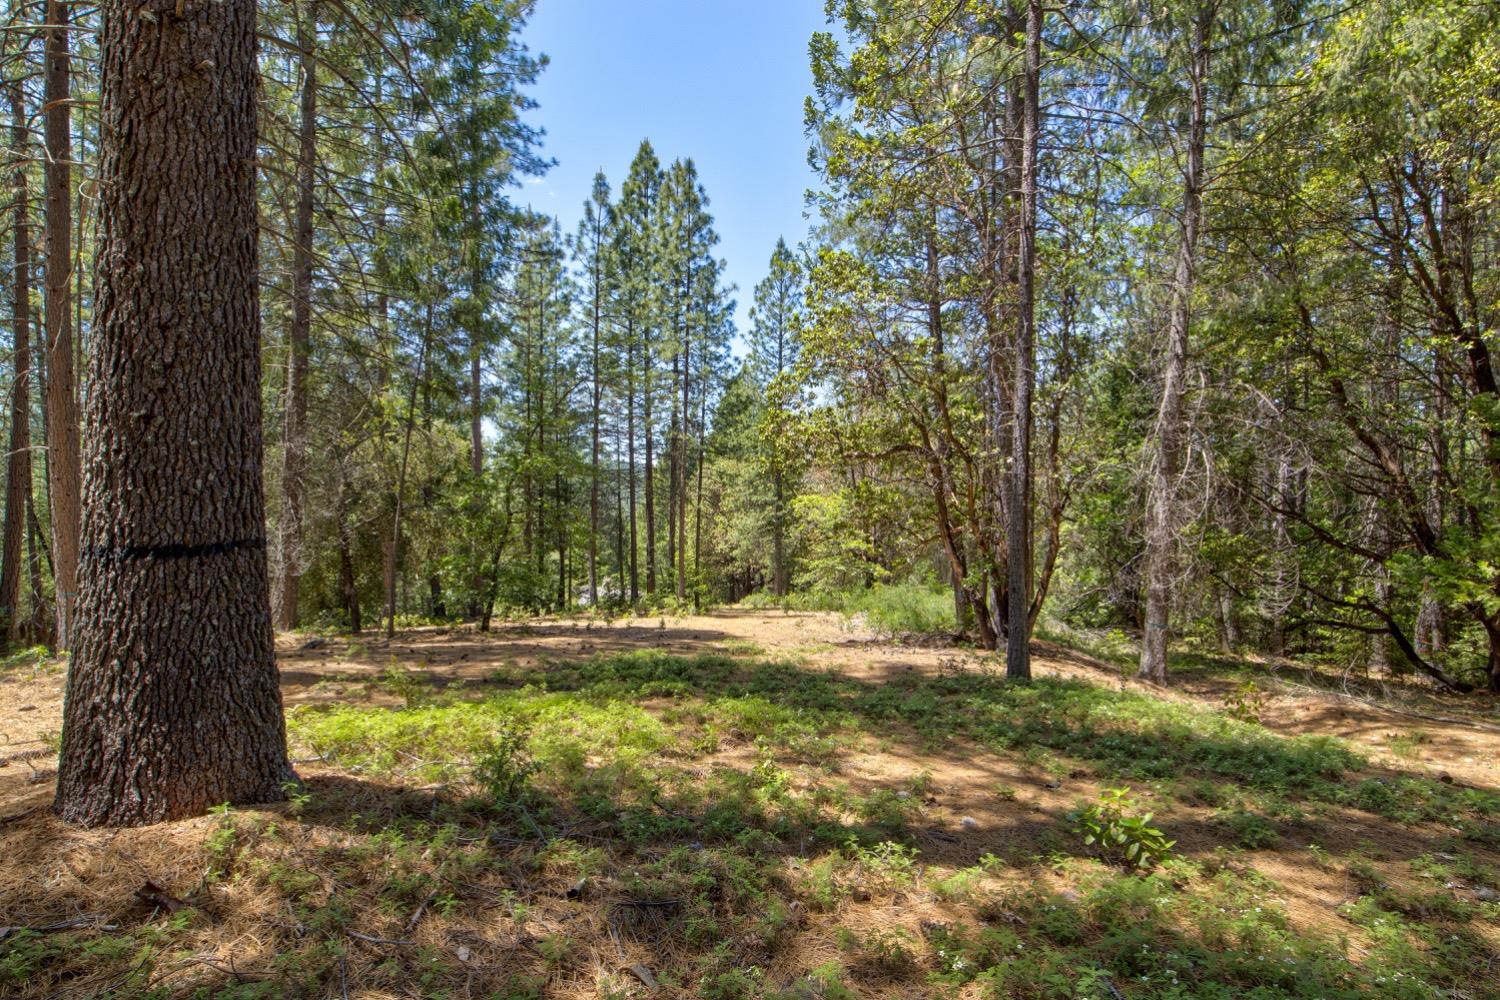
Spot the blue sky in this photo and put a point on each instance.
(721, 81)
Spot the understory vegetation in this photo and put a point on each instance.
(707, 819)
(910, 608)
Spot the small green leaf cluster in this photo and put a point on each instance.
(1112, 827)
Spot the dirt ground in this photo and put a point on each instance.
(1460, 735)
(1454, 740)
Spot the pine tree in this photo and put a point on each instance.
(172, 699)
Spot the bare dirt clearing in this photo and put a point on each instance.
(761, 804)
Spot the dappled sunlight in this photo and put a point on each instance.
(543, 809)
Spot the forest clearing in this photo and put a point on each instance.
(758, 803)
(775, 500)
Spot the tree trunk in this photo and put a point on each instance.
(594, 437)
(563, 601)
(1018, 527)
(476, 408)
(18, 463)
(619, 524)
(650, 481)
(1229, 633)
(673, 436)
(635, 574)
(1170, 434)
(682, 469)
(1492, 633)
(348, 587)
(294, 458)
(393, 543)
(778, 535)
(62, 395)
(36, 551)
(698, 505)
(172, 698)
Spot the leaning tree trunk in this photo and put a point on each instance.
(62, 397)
(1167, 457)
(294, 458)
(172, 698)
(18, 471)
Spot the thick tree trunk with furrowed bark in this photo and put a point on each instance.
(172, 700)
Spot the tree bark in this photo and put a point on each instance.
(294, 458)
(36, 552)
(598, 279)
(635, 573)
(172, 698)
(348, 586)
(18, 464)
(682, 464)
(650, 472)
(393, 543)
(1018, 527)
(62, 394)
(1170, 434)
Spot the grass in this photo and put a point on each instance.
(694, 814)
(892, 610)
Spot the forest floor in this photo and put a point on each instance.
(765, 804)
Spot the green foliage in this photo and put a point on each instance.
(403, 682)
(1251, 830)
(503, 767)
(911, 608)
(565, 733)
(1113, 828)
(1245, 702)
(33, 658)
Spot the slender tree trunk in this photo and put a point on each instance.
(62, 392)
(172, 699)
(1431, 626)
(594, 442)
(393, 543)
(563, 603)
(478, 583)
(476, 409)
(1018, 528)
(348, 585)
(650, 480)
(18, 462)
(294, 457)
(673, 435)
(619, 522)
(36, 553)
(698, 506)
(635, 575)
(1170, 433)
(682, 469)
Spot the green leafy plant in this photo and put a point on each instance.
(1245, 702)
(504, 767)
(1112, 827)
(404, 683)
